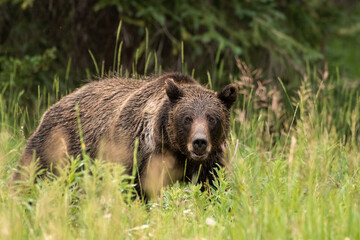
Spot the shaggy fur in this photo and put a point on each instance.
(165, 113)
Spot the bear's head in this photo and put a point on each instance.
(198, 118)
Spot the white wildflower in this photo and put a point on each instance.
(187, 211)
(210, 221)
(139, 227)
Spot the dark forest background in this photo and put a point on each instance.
(40, 39)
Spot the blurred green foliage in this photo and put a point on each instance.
(278, 36)
(27, 73)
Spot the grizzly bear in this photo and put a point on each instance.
(178, 126)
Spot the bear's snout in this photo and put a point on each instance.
(199, 144)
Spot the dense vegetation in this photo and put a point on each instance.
(293, 156)
(39, 39)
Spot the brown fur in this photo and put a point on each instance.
(115, 112)
(161, 170)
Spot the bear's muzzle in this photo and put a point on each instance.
(199, 145)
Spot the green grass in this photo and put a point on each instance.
(304, 184)
(301, 181)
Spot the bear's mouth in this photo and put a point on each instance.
(198, 157)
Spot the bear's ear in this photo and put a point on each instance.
(228, 95)
(173, 91)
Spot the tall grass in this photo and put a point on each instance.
(292, 172)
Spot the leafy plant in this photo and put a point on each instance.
(26, 74)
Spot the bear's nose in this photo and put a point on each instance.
(199, 145)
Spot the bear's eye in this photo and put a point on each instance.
(187, 120)
(211, 120)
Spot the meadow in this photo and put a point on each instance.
(292, 173)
